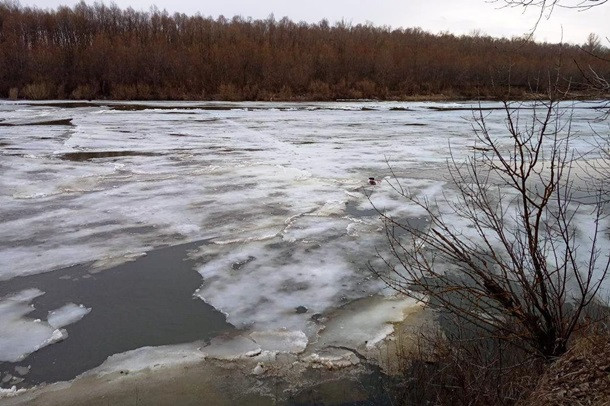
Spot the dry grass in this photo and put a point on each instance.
(455, 368)
(450, 363)
(580, 377)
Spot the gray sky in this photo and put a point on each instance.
(456, 16)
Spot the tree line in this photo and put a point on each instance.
(103, 51)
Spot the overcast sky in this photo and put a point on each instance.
(456, 16)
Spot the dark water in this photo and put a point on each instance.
(351, 209)
(88, 155)
(147, 302)
(65, 121)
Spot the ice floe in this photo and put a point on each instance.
(20, 335)
(67, 314)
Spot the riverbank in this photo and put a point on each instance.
(517, 95)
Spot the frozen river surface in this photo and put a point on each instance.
(268, 202)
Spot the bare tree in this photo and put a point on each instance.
(549, 5)
(593, 43)
(503, 250)
(546, 7)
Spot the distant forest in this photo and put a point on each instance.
(102, 51)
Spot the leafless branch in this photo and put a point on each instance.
(518, 270)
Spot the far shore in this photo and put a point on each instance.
(313, 99)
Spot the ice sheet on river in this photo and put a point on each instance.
(20, 335)
(278, 192)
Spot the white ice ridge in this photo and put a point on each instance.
(10, 392)
(261, 344)
(21, 336)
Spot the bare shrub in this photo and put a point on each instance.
(367, 88)
(320, 90)
(452, 366)
(139, 91)
(124, 92)
(38, 91)
(504, 254)
(145, 91)
(285, 93)
(85, 92)
(229, 92)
